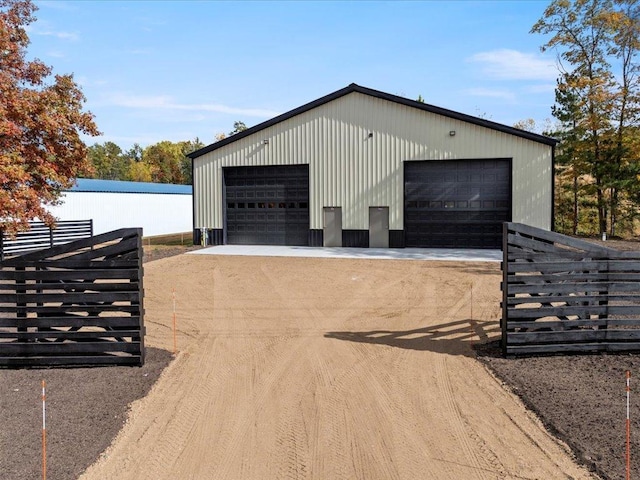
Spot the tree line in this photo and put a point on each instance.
(162, 162)
(597, 112)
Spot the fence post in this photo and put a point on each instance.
(505, 284)
(1, 245)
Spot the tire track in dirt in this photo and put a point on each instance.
(178, 430)
(291, 452)
(475, 450)
(365, 402)
(262, 393)
(225, 393)
(333, 435)
(277, 375)
(467, 451)
(397, 414)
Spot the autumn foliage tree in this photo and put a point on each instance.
(162, 162)
(597, 101)
(41, 119)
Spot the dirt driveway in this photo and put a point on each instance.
(327, 369)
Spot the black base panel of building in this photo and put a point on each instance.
(396, 238)
(316, 238)
(215, 236)
(356, 238)
(350, 238)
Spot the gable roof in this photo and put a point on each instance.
(377, 94)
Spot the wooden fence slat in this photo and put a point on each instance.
(78, 274)
(571, 299)
(126, 264)
(50, 348)
(572, 287)
(73, 321)
(537, 349)
(532, 325)
(567, 336)
(70, 297)
(105, 250)
(573, 277)
(46, 310)
(616, 266)
(553, 237)
(74, 335)
(72, 286)
(567, 310)
(526, 248)
(69, 360)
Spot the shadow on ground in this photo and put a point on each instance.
(453, 338)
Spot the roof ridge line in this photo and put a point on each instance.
(353, 87)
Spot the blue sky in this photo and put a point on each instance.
(177, 70)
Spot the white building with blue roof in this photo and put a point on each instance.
(158, 208)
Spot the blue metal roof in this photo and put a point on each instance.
(118, 186)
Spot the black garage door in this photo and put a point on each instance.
(456, 203)
(267, 205)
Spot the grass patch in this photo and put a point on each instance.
(184, 239)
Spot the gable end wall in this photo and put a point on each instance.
(348, 168)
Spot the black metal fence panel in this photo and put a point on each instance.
(80, 303)
(42, 236)
(561, 294)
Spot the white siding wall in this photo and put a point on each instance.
(156, 213)
(351, 170)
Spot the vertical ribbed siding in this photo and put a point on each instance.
(155, 213)
(350, 170)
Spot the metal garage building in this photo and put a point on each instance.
(157, 208)
(360, 167)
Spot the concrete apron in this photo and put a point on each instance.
(447, 254)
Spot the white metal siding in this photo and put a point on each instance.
(350, 170)
(157, 213)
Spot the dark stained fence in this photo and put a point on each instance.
(41, 236)
(80, 303)
(561, 294)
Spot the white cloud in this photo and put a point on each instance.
(85, 81)
(55, 5)
(46, 31)
(491, 92)
(506, 64)
(55, 54)
(164, 102)
(62, 35)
